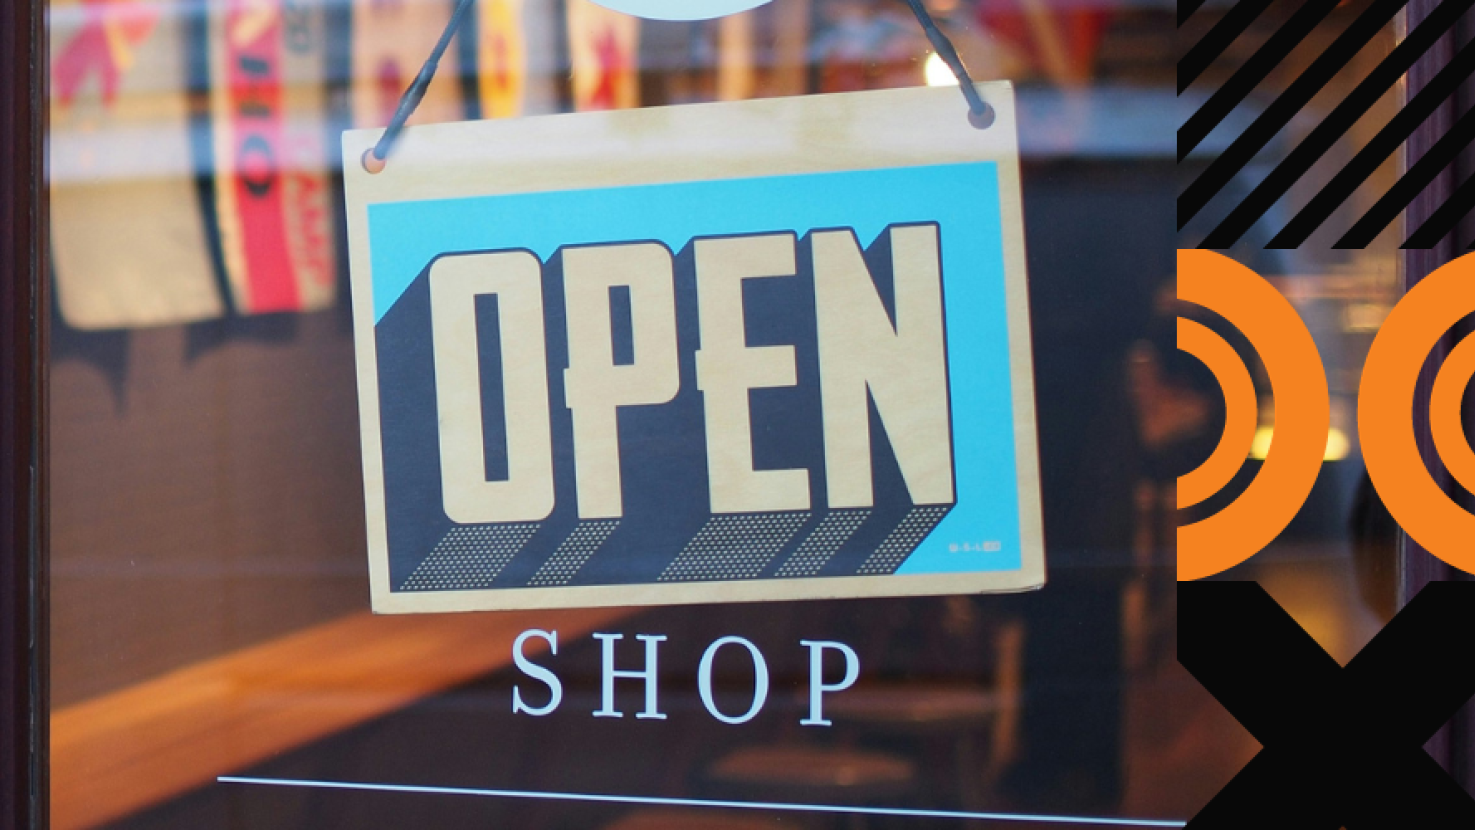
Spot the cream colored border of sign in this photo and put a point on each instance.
(810, 134)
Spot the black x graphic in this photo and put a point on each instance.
(1341, 747)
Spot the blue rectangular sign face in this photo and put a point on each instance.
(656, 389)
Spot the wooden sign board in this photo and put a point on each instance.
(772, 349)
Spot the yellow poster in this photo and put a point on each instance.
(502, 58)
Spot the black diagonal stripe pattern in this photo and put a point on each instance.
(1443, 220)
(1357, 171)
(1335, 125)
(1229, 96)
(1295, 98)
(1186, 8)
(1413, 182)
(1213, 44)
(1280, 113)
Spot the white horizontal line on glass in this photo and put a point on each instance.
(702, 802)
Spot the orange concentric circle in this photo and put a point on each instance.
(1302, 419)
(1385, 404)
(1240, 413)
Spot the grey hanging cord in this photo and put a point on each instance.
(374, 159)
(980, 114)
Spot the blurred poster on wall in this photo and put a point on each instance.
(1059, 42)
(390, 40)
(791, 21)
(863, 45)
(268, 118)
(502, 58)
(604, 48)
(544, 56)
(736, 70)
(129, 239)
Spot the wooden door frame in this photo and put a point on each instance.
(24, 310)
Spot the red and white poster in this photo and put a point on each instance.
(268, 105)
(129, 238)
(604, 50)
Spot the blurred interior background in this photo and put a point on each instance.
(209, 590)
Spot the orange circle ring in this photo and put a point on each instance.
(1241, 414)
(1302, 413)
(1385, 403)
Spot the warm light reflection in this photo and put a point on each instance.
(938, 73)
(1337, 445)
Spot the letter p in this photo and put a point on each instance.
(817, 684)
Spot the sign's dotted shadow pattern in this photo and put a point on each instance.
(469, 557)
(573, 552)
(821, 545)
(735, 547)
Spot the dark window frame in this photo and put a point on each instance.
(1454, 745)
(23, 314)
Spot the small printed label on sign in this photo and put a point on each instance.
(773, 349)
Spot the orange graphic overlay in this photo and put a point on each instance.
(1303, 414)
(1444, 413)
(1241, 415)
(1385, 404)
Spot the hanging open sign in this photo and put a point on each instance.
(774, 349)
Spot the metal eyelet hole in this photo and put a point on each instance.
(373, 164)
(982, 120)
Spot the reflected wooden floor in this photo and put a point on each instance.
(156, 741)
(127, 750)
